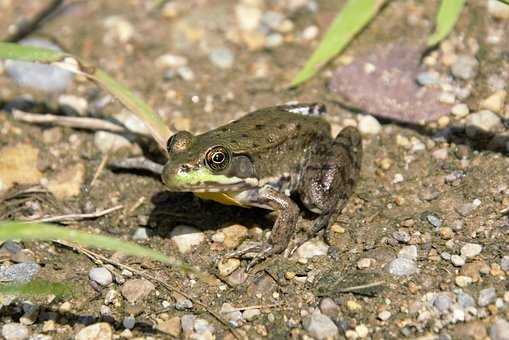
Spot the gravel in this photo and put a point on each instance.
(465, 67)
(428, 78)
(20, 272)
(499, 330)
(484, 120)
(504, 263)
(470, 250)
(186, 238)
(129, 322)
(15, 331)
(457, 260)
(96, 331)
(408, 252)
(465, 300)
(222, 58)
(402, 266)
(136, 290)
(487, 296)
(320, 326)
(312, 248)
(101, 275)
(369, 125)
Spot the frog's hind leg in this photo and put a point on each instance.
(329, 177)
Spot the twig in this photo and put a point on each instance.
(26, 27)
(136, 205)
(98, 257)
(139, 163)
(504, 211)
(75, 217)
(100, 168)
(75, 122)
(360, 287)
(256, 307)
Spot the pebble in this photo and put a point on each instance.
(140, 234)
(248, 17)
(101, 330)
(320, 326)
(201, 326)
(486, 296)
(222, 58)
(460, 110)
(18, 164)
(465, 300)
(136, 290)
(118, 29)
(20, 272)
(41, 77)
(15, 331)
(470, 250)
(364, 263)
(129, 322)
(171, 326)
(384, 315)
(474, 330)
(401, 236)
(251, 314)
(187, 322)
(408, 252)
(495, 102)
(434, 220)
(310, 32)
(484, 120)
(465, 209)
(362, 331)
(171, 61)
(447, 98)
(402, 266)
(446, 233)
(67, 182)
(107, 142)
(498, 10)
(462, 281)
(428, 78)
(440, 154)
(504, 263)
(442, 302)
(132, 122)
(329, 307)
(500, 328)
(185, 73)
(186, 237)
(234, 316)
(234, 235)
(465, 67)
(312, 248)
(73, 105)
(369, 125)
(457, 260)
(273, 40)
(101, 275)
(181, 302)
(228, 266)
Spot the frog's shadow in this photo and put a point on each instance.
(174, 208)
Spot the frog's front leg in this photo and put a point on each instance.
(283, 229)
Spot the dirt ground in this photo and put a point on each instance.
(441, 196)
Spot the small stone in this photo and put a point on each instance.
(129, 322)
(187, 322)
(132, 122)
(118, 29)
(67, 182)
(136, 290)
(460, 110)
(228, 266)
(329, 307)
(442, 302)
(470, 250)
(402, 266)
(446, 233)
(401, 236)
(486, 296)
(171, 61)
(20, 272)
(447, 98)
(353, 305)
(369, 125)
(408, 252)
(320, 326)
(73, 105)
(47, 78)
(140, 234)
(248, 17)
(49, 326)
(465, 67)
(445, 255)
(202, 326)
(185, 238)
(234, 235)
(96, 331)
(182, 302)
(365, 263)
(110, 142)
(495, 102)
(500, 328)
(312, 248)
(457, 260)
(101, 275)
(428, 78)
(462, 281)
(234, 316)
(274, 40)
(498, 10)
(440, 154)
(465, 209)
(474, 330)
(251, 314)
(504, 263)
(434, 220)
(484, 120)
(222, 58)
(185, 73)
(15, 331)
(310, 32)
(18, 165)
(465, 300)
(170, 326)
(384, 315)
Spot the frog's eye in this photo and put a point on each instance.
(179, 142)
(217, 158)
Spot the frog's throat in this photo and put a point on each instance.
(203, 180)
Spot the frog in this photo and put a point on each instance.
(281, 158)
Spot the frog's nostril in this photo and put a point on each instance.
(184, 168)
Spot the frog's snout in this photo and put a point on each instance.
(172, 171)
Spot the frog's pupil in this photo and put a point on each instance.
(218, 157)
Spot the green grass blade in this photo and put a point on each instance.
(504, 1)
(448, 14)
(354, 16)
(156, 125)
(36, 288)
(47, 232)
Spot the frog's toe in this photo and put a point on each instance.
(249, 250)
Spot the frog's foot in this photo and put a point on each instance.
(257, 252)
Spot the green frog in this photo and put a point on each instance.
(271, 158)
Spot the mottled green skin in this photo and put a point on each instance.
(285, 149)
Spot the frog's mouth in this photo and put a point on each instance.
(203, 180)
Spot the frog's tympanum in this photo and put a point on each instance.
(265, 158)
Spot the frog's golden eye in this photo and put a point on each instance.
(179, 142)
(217, 158)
